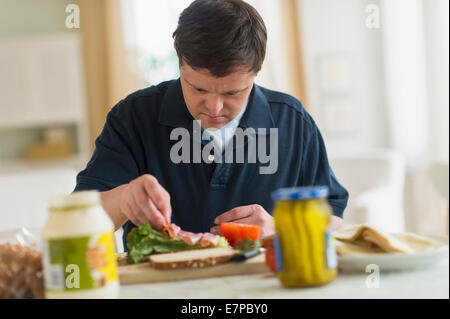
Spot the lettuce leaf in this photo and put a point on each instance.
(144, 240)
(249, 244)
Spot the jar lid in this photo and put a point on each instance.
(76, 200)
(300, 193)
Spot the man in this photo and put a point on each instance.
(136, 164)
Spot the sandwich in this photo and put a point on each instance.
(143, 241)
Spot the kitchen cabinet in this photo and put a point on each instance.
(41, 88)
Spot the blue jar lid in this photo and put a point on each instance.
(300, 193)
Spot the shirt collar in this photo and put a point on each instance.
(258, 114)
(175, 113)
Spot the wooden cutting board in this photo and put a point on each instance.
(144, 273)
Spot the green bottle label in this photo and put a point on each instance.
(79, 263)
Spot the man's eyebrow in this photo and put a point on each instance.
(197, 88)
(239, 90)
(232, 91)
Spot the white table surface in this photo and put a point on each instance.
(426, 283)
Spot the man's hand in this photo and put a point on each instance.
(144, 199)
(251, 214)
(256, 215)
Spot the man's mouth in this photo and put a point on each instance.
(214, 118)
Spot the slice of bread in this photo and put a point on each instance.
(197, 258)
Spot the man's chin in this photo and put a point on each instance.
(212, 126)
(208, 123)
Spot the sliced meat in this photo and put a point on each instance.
(175, 230)
(205, 239)
(167, 227)
(209, 239)
(189, 238)
(172, 230)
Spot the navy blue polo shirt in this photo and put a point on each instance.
(136, 140)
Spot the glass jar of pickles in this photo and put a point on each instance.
(304, 253)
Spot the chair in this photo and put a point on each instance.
(375, 182)
(439, 177)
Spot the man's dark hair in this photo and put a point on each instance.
(222, 36)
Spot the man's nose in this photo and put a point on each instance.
(214, 104)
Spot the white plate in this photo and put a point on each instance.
(396, 262)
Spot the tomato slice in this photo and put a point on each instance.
(236, 233)
(270, 254)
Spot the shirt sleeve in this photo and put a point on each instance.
(317, 171)
(112, 163)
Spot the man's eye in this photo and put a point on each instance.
(232, 93)
(200, 90)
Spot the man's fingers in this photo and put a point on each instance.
(127, 212)
(148, 209)
(146, 200)
(234, 214)
(132, 211)
(215, 230)
(246, 220)
(158, 218)
(159, 196)
(143, 206)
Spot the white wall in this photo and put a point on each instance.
(337, 29)
(405, 79)
(32, 17)
(437, 52)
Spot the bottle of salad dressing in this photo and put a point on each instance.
(78, 248)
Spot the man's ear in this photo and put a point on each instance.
(174, 45)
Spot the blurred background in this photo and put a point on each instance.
(374, 74)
